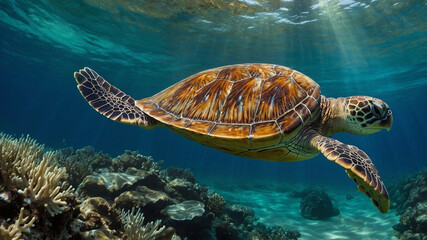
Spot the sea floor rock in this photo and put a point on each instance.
(107, 184)
(182, 190)
(186, 210)
(174, 173)
(190, 219)
(151, 202)
(317, 205)
(127, 160)
(97, 213)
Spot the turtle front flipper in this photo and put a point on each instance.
(109, 100)
(358, 166)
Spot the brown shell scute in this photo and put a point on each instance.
(279, 95)
(239, 106)
(233, 73)
(175, 98)
(207, 101)
(246, 101)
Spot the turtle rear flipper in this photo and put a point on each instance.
(358, 166)
(109, 100)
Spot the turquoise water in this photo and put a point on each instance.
(374, 48)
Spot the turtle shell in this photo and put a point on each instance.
(250, 110)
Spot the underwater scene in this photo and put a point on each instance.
(228, 119)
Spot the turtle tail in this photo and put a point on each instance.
(109, 100)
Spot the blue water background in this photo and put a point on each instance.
(374, 48)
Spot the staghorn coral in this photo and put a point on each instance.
(40, 183)
(24, 168)
(12, 152)
(14, 231)
(134, 228)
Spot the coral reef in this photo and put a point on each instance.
(216, 203)
(31, 184)
(238, 222)
(23, 170)
(98, 217)
(150, 165)
(317, 205)
(410, 201)
(14, 231)
(275, 233)
(40, 184)
(240, 215)
(113, 199)
(129, 159)
(173, 196)
(13, 153)
(81, 162)
(173, 173)
(135, 228)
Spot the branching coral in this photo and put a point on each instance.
(14, 231)
(13, 151)
(40, 183)
(134, 228)
(23, 166)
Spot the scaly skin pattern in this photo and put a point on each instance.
(109, 100)
(358, 166)
(364, 112)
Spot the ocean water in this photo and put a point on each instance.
(375, 48)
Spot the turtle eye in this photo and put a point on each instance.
(378, 109)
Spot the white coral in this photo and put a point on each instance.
(14, 231)
(134, 228)
(40, 184)
(20, 166)
(13, 151)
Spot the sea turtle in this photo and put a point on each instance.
(259, 111)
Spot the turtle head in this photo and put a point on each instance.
(366, 115)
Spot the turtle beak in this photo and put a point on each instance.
(384, 123)
(388, 121)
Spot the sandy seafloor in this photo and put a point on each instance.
(358, 218)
